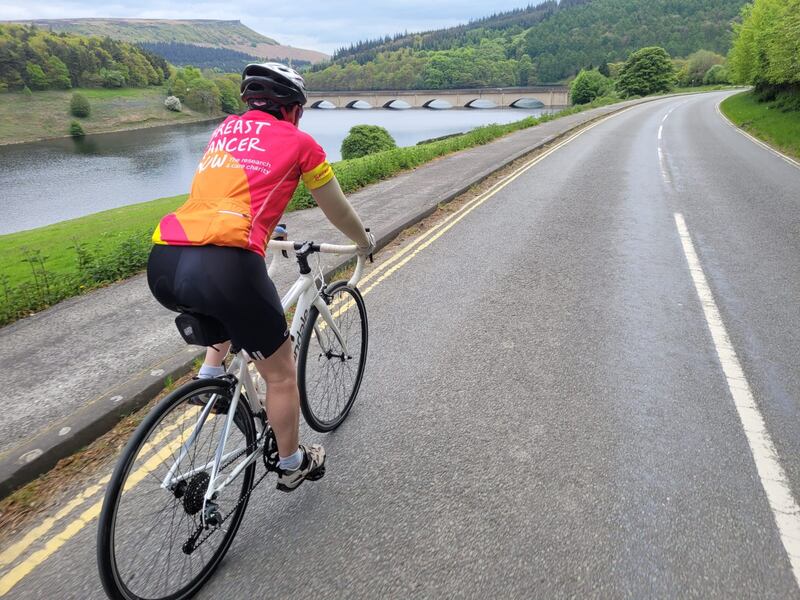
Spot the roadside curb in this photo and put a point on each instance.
(41, 453)
(36, 456)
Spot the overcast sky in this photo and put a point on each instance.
(322, 26)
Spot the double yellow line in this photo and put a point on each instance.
(377, 276)
(7, 557)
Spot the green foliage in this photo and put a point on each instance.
(203, 95)
(548, 42)
(27, 91)
(366, 139)
(79, 106)
(766, 48)
(228, 95)
(589, 85)
(75, 129)
(647, 71)
(696, 66)
(36, 77)
(57, 74)
(42, 59)
(716, 75)
(111, 78)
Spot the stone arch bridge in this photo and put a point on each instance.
(519, 97)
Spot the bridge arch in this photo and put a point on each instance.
(480, 103)
(437, 104)
(323, 104)
(397, 104)
(527, 103)
(359, 105)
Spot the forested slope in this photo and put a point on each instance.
(545, 43)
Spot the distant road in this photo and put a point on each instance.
(556, 402)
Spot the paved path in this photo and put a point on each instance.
(84, 359)
(546, 413)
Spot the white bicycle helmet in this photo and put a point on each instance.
(273, 82)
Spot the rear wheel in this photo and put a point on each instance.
(159, 542)
(328, 374)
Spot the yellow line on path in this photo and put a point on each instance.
(10, 579)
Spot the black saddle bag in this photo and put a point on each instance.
(200, 330)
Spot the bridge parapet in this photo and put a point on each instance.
(549, 96)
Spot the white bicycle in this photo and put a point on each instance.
(181, 486)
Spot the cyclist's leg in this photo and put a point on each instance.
(215, 355)
(283, 398)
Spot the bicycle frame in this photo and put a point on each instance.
(304, 293)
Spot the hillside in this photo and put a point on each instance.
(232, 35)
(546, 43)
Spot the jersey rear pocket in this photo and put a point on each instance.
(219, 221)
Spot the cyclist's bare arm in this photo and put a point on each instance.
(340, 213)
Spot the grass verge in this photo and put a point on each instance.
(43, 266)
(765, 121)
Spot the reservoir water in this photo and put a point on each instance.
(55, 180)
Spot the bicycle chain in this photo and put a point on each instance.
(244, 497)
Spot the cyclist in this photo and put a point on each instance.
(208, 256)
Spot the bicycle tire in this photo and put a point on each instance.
(315, 391)
(109, 528)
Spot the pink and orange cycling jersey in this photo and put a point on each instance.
(250, 169)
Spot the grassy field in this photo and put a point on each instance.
(762, 120)
(45, 114)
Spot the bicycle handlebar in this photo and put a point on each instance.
(289, 246)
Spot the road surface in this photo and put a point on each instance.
(585, 385)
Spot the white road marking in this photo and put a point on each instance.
(662, 162)
(772, 476)
(660, 131)
(755, 140)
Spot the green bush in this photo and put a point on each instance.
(589, 85)
(366, 139)
(716, 75)
(75, 129)
(697, 66)
(27, 91)
(647, 71)
(79, 106)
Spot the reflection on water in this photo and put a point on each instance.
(47, 182)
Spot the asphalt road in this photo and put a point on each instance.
(545, 412)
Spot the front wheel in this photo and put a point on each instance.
(330, 366)
(159, 540)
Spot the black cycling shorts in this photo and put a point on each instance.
(228, 284)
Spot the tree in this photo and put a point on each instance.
(57, 73)
(589, 85)
(366, 139)
(717, 74)
(202, 95)
(37, 80)
(79, 106)
(766, 45)
(647, 71)
(698, 64)
(75, 129)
